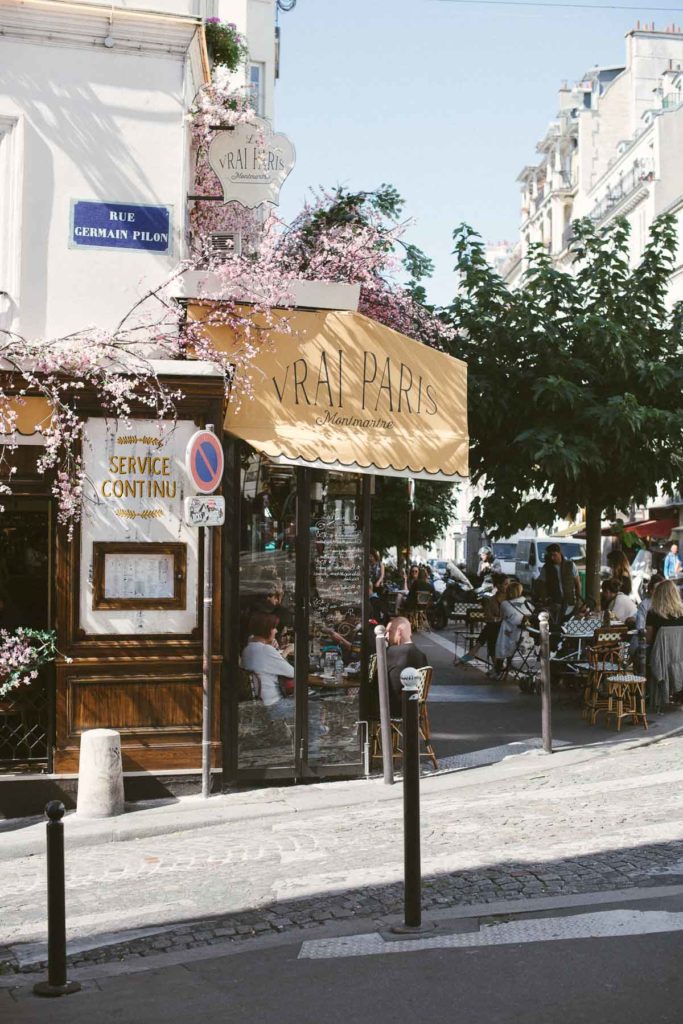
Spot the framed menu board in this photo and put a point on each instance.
(137, 576)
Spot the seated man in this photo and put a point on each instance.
(401, 653)
(617, 604)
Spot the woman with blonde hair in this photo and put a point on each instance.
(513, 611)
(666, 609)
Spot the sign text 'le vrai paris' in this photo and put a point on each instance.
(251, 163)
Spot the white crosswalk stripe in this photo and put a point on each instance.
(607, 924)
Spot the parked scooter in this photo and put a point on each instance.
(458, 590)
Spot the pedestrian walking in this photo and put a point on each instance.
(672, 563)
(558, 586)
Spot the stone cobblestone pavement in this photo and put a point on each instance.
(611, 822)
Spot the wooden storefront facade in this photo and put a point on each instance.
(112, 671)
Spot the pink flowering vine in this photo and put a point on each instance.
(22, 652)
(338, 237)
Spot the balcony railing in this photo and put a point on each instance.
(627, 186)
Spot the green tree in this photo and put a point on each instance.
(435, 506)
(574, 381)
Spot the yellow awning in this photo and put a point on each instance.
(342, 391)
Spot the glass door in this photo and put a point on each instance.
(335, 623)
(266, 701)
(295, 669)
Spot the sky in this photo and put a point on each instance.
(444, 100)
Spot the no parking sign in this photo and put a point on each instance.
(204, 461)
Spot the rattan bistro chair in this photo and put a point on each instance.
(418, 617)
(604, 659)
(424, 685)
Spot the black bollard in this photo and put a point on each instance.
(411, 800)
(56, 984)
(546, 693)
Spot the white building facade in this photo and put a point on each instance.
(96, 159)
(614, 150)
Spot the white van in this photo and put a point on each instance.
(505, 552)
(530, 556)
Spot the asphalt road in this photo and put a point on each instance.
(622, 979)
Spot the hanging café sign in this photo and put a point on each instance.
(251, 163)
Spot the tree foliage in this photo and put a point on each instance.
(574, 378)
(435, 507)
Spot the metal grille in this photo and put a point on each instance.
(24, 715)
(223, 244)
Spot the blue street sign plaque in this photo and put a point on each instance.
(120, 226)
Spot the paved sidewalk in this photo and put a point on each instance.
(25, 837)
(290, 860)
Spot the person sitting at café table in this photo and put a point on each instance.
(643, 609)
(491, 606)
(558, 585)
(401, 653)
(262, 657)
(422, 583)
(513, 611)
(409, 578)
(666, 609)
(620, 570)
(618, 605)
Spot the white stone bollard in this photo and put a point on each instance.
(100, 775)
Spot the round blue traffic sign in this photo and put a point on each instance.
(204, 461)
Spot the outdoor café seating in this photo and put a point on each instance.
(424, 685)
(418, 617)
(626, 698)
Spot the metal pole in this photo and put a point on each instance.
(410, 512)
(384, 711)
(56, 984)
(206, 661)
(544, 624)
(207, 636)
(411, 800)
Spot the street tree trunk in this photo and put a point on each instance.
(593, 551)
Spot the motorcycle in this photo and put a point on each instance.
(457, 590)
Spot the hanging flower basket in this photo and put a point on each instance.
(224, 43)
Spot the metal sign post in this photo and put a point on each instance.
(384, 711)
(204, 461)
(546, 725)
(207, 652)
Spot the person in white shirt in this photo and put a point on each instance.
(619, 605)
(262, 657)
